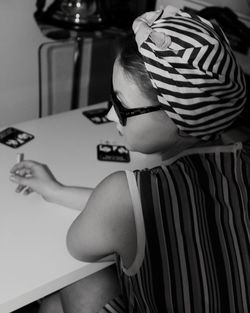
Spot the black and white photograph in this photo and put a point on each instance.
(125, 156)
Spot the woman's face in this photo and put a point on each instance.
(147, 133)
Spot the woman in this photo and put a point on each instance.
(181, 230)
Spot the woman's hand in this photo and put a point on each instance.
(32, 176)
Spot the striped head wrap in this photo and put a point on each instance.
(192, 68)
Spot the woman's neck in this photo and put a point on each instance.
(179, 146)
(240, 133)
(237, 134)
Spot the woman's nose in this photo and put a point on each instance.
(112, 116)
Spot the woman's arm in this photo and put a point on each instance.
(71, 196)
(32, 176)
(107, 225)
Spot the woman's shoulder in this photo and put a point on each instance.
(119, 212)
(114, 181)
(112, 198)
(105, 225)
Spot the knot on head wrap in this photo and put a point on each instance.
(192, 68)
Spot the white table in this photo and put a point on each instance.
(34, 261)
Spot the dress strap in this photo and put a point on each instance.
(139, 222)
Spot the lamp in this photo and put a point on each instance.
(64, 19)
(79, 12)
(76, 14)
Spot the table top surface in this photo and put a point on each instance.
(34, 259)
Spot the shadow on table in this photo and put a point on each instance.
(30, 308)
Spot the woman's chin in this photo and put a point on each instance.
(141, 149)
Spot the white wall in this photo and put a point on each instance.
(20, 38)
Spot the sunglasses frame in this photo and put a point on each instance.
(123, 113)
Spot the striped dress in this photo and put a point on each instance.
(193, 234)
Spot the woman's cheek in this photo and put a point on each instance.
(132, 139)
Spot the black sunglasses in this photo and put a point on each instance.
(123, 113)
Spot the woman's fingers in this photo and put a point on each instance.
(19, 176)
(31, 177)
(20, 180)
(28, 191)
(25, 165)
(20, 188)
(22, 174)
